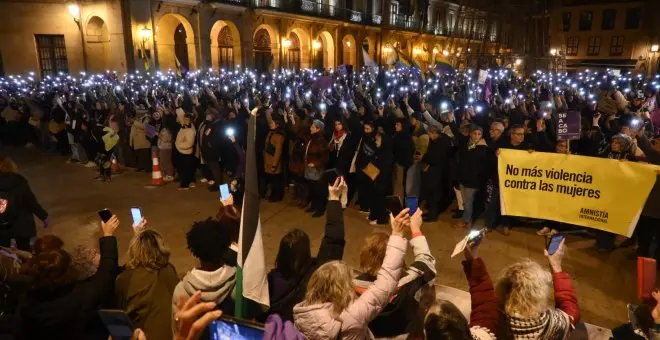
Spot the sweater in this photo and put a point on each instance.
(185, 140)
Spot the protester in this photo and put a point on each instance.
(294, 265)
(523, 290)
(57, 306)
(185, 142)
(316, 155)
(144, 289)
(472, 155)
(331, 310)
(274, 161)
(17, 206)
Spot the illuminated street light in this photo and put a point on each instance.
(445, 53)
(654, 48)
(145, 34)
(518, 61)
(74, 10)
(286, 43)
(553, 51)
(316, 44)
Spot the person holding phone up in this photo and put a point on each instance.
(273, 162)
(57, 305)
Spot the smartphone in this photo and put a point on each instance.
(411, 202)
(475, 237)
(393, 204)
(117, 322)
(105, 214)
(224, 191)
(331, 176)
(554, 243)
(235, 329)
(137, 215)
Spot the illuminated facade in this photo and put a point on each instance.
(49, 36)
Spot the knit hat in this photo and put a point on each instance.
(319, 124)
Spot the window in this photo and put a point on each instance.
(632, 18)
(616, 45)
(572, 46)
(226, 46)
(609, 19)
(566, 21)
(586, 17)
(52, 54)
(593, 49)
(394, 12)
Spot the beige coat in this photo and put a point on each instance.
(138, 138)
(185, 140)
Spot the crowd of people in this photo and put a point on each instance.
(382, 132)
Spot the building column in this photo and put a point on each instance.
(204, 24)
(246, 26)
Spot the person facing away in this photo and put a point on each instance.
(209, 242)
(332, 310)
(57, 306)
(143, 291)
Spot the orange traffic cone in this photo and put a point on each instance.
(114, 165)
(156, 175)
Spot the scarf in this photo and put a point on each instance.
(471, 145)
(553, 324)
(337, 141)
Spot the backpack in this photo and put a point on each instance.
(8, 211)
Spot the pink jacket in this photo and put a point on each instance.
(316, 321)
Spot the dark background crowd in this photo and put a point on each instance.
(430, 137)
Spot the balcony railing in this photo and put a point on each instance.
(314, 8)
(232, 2)
(406, 22)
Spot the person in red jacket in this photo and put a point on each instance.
(445, 321)
(523, 290)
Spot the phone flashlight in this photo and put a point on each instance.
(230, 132)
(322, 106)
(343, 105)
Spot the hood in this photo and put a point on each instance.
(10, 180)
(316, 321)
(215, 286)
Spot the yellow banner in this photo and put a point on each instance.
(593, 192)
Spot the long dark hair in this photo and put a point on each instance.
(294, 253)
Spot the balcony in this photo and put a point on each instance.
(316, 9)
(232, 2)
(406, 22)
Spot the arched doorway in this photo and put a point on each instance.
(263, 54)
(98, 44)
(175, 43)
(225, 45)
(294, 52)
(324, 51)
(181, 49)
(349, 56)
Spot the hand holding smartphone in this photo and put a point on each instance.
(393, 204)
(224, 192)
(137, 216)
(553, 243)
(105, 215)
(411, 202)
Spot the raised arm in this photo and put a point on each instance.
(333, 243)
(423, 267)
(482, 293)
(374, 299)
(565, 298)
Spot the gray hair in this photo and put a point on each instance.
(497, 125)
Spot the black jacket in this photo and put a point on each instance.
(436, 158)
(18, 189)
(70, 312)
(472, 164)
(285, 292)
(403, 149)
(652, 206)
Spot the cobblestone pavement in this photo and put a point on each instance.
(604, 282)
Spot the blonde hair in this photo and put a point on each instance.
(523, 288)
(148, 250)
(7, 165)
(373, 253)
(332, 282)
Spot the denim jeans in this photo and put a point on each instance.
(468, 203)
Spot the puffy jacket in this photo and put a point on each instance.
(185, 140)
(317, 322)
(164, 139)
(27, 205)
(138, 138)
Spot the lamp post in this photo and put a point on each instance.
(553, 54)
(286, 43)
(316, 46)
(654, 49)
(74, 10)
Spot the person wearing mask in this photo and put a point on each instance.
(185, 143)
(144, 289)
(209, 241)
(18, 204)
(399, 316)
(331, 309)
(294, 265)
(523, 291)
(140, 144)
(435, 165)
(273, 166)
(445, 321)
(472, 157)
(57, 306)
(403, 149)
(316, 156)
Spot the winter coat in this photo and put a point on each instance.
(435, 160)
(484, 314)
(317, 151)
(273, 152)
(652, 205)
(299, 131)
(472, 162)
(217, 286)
(145, 295)
(165, 139)
(286, 291)
(68, 312)
(341, 152)
(399, 316)
(27, 205)
(317, 322)
(211, 141)
(138, 137)
(185, 140)
(403, 149)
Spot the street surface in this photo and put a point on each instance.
(604, 282)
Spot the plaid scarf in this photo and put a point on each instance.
(553, 324)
